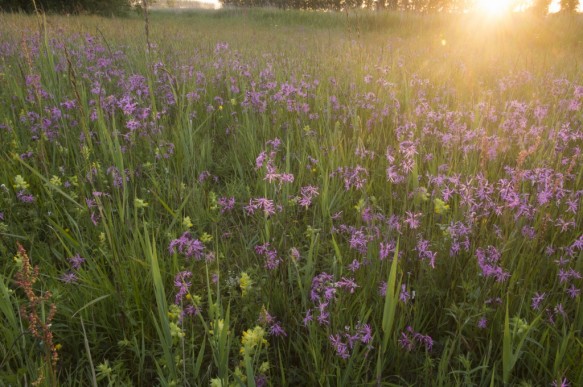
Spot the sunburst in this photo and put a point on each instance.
(493, 7)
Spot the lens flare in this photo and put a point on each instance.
(493, 7)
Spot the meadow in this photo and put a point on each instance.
(269, 198)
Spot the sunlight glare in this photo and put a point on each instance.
(493, 7)
(555, 6)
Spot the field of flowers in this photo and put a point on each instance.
(290, 198)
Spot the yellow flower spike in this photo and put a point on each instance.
(423, 194)
(56, 181)
(174, 312)
(104, 368)
(252, 339)
(140, 203)
(218, 329)
(20, 183)
(359, 206)
(205, 238)
(239, 375)
(175, 331)
(264, 367)
(440, 206)
(213, 203)
(245, 284)
(186, 222)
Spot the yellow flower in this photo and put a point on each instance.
(252, 339)
(56, 180)
(216, 382)
(423, 194)
(196, 300)
(174, 312)
(18, 260)
(205, 238)
(245, 283)
(360, 205)
(440, 206)
(239, 375)
(175, 331)
(186, 222)
(104, 369)
(20, 183)
(140, 203)
(213, 203)
(219, 328)
(264, 367)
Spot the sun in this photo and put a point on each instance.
(493, 7)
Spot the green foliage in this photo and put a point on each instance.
(99, 7)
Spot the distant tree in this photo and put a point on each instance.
(393, 5)
(101, 7)
(569, 5)
(540, 7)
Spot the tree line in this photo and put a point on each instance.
(99, 7)
(537, 6)
(117, 7)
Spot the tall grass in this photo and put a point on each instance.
(292, 198)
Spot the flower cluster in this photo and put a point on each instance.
(76, 262)
(272, 260)
(344, 342)
(409, 340)
(187, 246)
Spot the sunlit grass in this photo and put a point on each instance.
(292, 198)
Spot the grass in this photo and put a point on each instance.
(291, 198)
